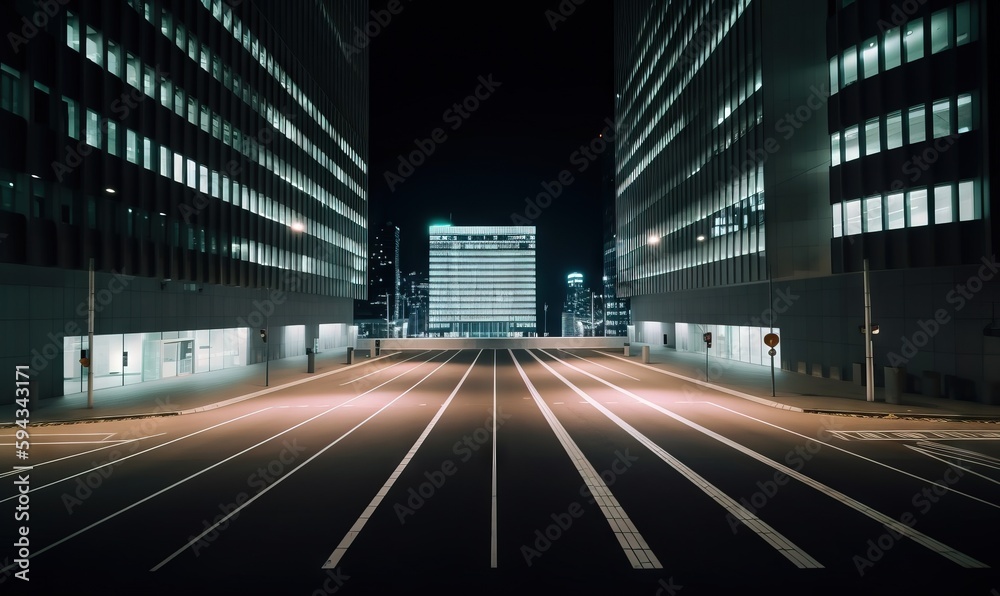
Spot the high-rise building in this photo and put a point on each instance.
(767, 150)
(615, 309)
(384, 273)
(415, 296)
(209, 157)
(482, 281)
(576, 314)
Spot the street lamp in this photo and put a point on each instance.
(546, 322)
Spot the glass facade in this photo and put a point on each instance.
(482, 281)
(221, 145)
(690, 151)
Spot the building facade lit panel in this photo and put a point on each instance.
(209, 152)
(482, 281)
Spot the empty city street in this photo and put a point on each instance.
(503, 471)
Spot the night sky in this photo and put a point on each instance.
(552, 91)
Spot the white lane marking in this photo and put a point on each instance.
(633, 544)
(161, 491)
(959, 453)
(857, 455)
(104, 446)
(493, 497)
(598, 364)
(917, 435)
(783, 545)
(121, 459)
(931, 455)
(918, 537)
(264, 491)
(35, 443)
(338, 553)
(36, 434)
(716, 388)
(384, 368)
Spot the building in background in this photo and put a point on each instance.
(384, 277)
(616, 310)
(576, 308)
(210, 157)
(767, 149)
(415, 296)
(482, 281)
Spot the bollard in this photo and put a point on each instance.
(626, 349)
(645, 354)
(350, 355)
(310, 360)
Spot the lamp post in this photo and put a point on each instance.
(592, 313)
(546, 322)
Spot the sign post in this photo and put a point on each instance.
(771, 340)
(707, 338)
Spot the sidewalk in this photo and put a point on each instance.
(188, 394)
(804, 393)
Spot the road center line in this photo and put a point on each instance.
(629, 538)
(918, 537)
(103, 446)
(338, 553)
(383, 369)
(598, 364)
(297, 468)
(783, 545)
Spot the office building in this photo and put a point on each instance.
(210, 158)
(384, 273)
(576, 308)
(767, 150)
(482, 281)
(415, 298)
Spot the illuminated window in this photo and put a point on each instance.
(850, 66)
(852, 148)
(942, 118)
(963, 24)
(148, 155)
(95, 47)
(114, 59)
(838, 222)
(895, 213)
(964, 113)
(913, 40)
(73, 32)
(873, 214)
(940, 31)
(852, 217)
(968, 206)
(894, 130)
(132, 69)
(93, 129)
(872, 138)
(943, 209)
(891, 48)
(917, 200)
(835, 149)
(149, 82)
(131, 146)
(869, 57)
(917, 124)
(834, 75)
(72, 118)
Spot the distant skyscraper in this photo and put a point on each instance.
(482, 281)
(576, 308)
(616, 319)
(414, 296)
(384, 273)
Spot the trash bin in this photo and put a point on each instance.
(310, 360)
(893, 385)
(626, 348)
(350, 355)
(645, 354)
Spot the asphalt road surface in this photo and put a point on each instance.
(502, 472)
